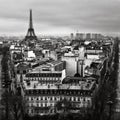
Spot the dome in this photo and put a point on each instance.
(77, 75)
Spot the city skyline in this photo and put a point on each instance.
(60, 17)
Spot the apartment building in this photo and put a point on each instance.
(42, 99)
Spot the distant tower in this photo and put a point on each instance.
(72, 36)
(30, 34)
(77, 35)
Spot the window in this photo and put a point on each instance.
(46, 104)
(76, 98)
(71, 98)
(37, 98)
(37, 104)
(41, 105)
(50, 98)
(55, 98)
(45, 98)
(41, 98)
(31, 98)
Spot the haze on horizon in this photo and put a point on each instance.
(60, 16)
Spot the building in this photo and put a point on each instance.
(43, 99)
(82, 35)
(88, 36)
(98, 68)
(45, 73)
(96, 36)
(74, 60)
(71, 63)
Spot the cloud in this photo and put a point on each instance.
(62, 16)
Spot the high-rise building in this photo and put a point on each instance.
(96, 36)
(77, 36)
(88, 36)
(81, 35)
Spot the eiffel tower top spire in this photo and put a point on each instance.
(30, 22)
(30, 33)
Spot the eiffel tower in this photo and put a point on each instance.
(30, 33)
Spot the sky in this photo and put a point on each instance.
(60, 16)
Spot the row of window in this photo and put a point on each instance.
(42, 78)
(40, 111)
(43, 75)
(31, 111)
(41, 104)
(59, 92)
(43, 82)
(78, 105)
(74, 99)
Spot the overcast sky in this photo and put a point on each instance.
(60, 16)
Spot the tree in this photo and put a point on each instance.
(64, 105)
(13, 104)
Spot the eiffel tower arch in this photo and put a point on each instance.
(30, 36)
